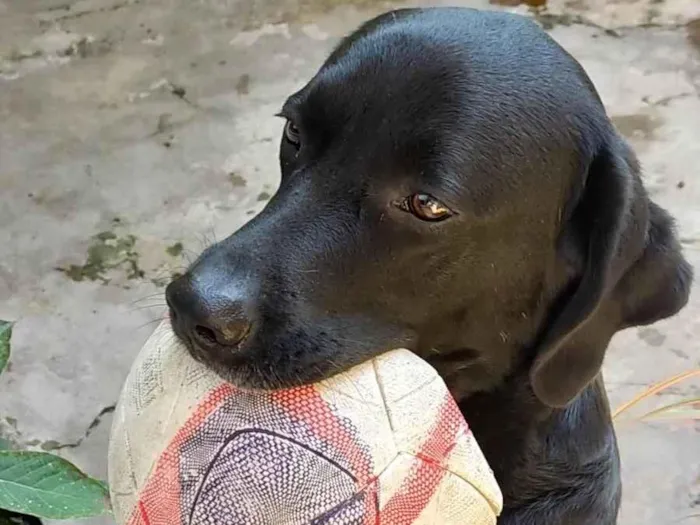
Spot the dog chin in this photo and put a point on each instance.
(256, 366)
(253, 374)
(248, 377)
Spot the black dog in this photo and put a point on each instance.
(451, 184)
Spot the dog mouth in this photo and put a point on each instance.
(267, 360)
(203, 347)
(240, 371)
(256, 374)
(247, 366)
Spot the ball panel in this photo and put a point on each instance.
(423, 461)
(256, 479)
(390, 429)
(467, 462)
(428, 423)
(364, 408)
(357, 386)
(400, 373)
(327, 429)
(161, 499)
(159, 395)
(300, 415)
(422, 414)
(408, 490)
(417, 492)
(361, 509)
(458, 503)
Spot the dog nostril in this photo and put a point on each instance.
(207, 334)
(230, 335)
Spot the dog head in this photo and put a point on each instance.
(450, 184)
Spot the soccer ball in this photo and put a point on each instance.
(383, 443)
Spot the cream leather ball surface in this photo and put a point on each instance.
(383, 443)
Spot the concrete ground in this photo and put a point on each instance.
(133, 132)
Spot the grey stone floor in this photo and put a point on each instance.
(133, 132)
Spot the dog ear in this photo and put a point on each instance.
(631, 273)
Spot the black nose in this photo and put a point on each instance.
(206, 315)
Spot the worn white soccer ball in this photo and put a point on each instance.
(382, 443)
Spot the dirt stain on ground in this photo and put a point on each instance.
(637, 126)
(514, 3)
(237, 180)
(107, 252)
(243, 84)
(693, 31)
(651, 336)
(252, 15)
(175, 250)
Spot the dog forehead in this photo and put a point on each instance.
(478, 100)
(437, 69)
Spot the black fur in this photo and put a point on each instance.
(553, 247)
(13, 518)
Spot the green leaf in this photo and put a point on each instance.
(5, 334)
(104, 484)
(47, 486)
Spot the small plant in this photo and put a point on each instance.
(37, 485)
(684, 409)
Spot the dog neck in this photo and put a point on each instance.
(540, 454)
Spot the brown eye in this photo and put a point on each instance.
(428, 208)
(291, 133)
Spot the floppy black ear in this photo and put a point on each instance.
(632, 273)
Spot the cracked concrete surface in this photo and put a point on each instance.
(133, 132)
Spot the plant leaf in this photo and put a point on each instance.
(104, 484)
(5, 334)
(686, 409)
(47, 486)
(655, 389)
(689, 517)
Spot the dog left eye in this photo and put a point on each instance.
(426, 207)
(292, 133)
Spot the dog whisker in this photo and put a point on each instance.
(152, 322)
(145, 298)
(161, 306)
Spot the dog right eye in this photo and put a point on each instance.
(292, 134)
(425, 207)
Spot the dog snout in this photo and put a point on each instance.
(206, 315)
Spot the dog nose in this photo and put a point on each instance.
(207, 316)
